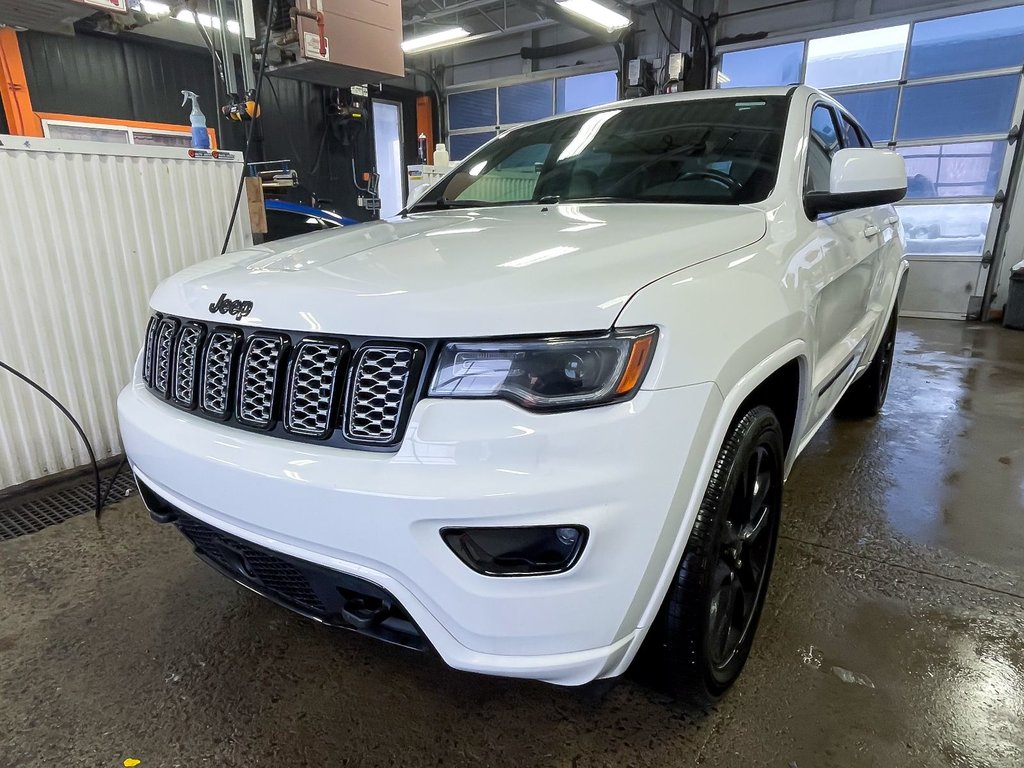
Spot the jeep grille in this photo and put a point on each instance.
(342, 391)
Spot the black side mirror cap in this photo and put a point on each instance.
(816, 203)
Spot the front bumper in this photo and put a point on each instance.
(625, 471)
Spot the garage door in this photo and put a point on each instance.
(946, 94)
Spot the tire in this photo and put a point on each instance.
(866, 395)
(725, 568)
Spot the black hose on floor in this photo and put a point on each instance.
(78, 427)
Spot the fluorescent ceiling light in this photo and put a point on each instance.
(434, 39)
(156, 9)
(204, 18)
(211, 22)
(597, 13)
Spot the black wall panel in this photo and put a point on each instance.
(3, 120)
(130, 78)
(118, 77)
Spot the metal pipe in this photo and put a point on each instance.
(226, 56)
(452, 10)
(244, 52)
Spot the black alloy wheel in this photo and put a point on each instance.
(705, 629)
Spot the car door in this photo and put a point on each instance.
(851, 245)
(887, 221)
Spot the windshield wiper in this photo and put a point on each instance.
(444, 204)
(598, 199)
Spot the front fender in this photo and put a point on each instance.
(718, 320)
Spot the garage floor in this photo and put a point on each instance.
(893, 634)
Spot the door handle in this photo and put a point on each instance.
(870, 230)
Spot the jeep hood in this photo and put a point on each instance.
(488, 271)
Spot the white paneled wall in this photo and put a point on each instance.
(86, 232)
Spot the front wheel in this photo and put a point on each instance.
(705, 628)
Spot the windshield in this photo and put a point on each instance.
(718, 151)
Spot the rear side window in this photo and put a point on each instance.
(823, 144)
(853, 136)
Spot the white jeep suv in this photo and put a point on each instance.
(539, 422)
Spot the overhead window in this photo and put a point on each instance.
(968, 169)
(524, 102)
(465, 144)
(771, 65)
(948, 229)
(474, 117)
(978, 106)
(968, 43)
(582, 91)
(873, 56)
(473, 109)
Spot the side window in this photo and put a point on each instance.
(853, 136)
(822, 145)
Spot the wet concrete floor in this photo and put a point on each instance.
(893, 633)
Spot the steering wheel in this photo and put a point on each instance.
(710, 174)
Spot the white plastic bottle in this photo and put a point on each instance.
(441, 158)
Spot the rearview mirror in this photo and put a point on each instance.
(860, 177)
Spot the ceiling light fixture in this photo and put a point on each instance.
(432, 40)
(204, 18)
(156, 9)
(597, 13)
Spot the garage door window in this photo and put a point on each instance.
(582, 91)
(860, 57)
(972, 107)
(968, 43)
(771, 65)
(476, 116)
(970, 169)
(465, 144)
(947, 230)
(525, 102)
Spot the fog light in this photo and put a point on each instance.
(567, 536)
(525, 551)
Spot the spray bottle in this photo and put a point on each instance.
(200, 136)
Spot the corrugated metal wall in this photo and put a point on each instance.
(85, 235)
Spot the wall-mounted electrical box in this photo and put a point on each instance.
(342, 42)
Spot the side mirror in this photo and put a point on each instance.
(860, 177)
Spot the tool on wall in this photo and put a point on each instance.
(245, 108)
(369, 190)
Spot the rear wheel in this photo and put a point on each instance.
(703, 633)
(866, 395)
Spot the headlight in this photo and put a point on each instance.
(551, 373)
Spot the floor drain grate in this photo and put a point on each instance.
(42, 509)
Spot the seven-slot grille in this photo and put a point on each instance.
(302, 388)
